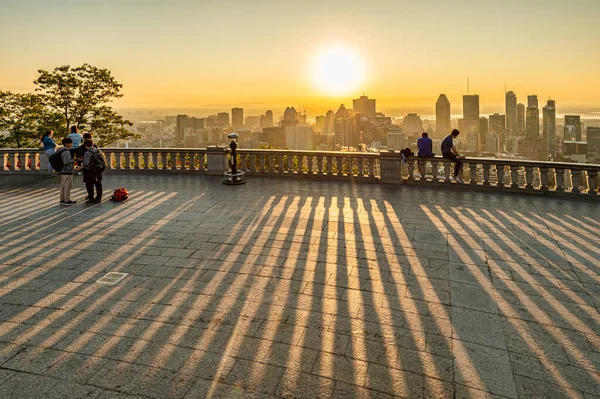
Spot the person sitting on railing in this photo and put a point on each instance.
(49, 149)
(450, 152)
(425, 145)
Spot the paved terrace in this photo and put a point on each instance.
(290, 288)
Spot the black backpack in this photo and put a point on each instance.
(97, 162)
(56, 160)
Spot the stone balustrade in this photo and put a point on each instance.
(385, 167)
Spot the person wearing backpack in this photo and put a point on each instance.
(94, 164)
(49, 149)
(77, 139)
(66, 171)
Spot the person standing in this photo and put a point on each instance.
(49, 149)
(450, 152)
(66, 174)
(77, 139)
(91, 176)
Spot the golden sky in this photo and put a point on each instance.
(195, 53)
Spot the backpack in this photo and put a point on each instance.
(120, 195)
(56, 160)
(97, 162)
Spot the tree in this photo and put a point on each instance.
(80, 96)
(24, 117)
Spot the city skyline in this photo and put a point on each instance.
(191, 55)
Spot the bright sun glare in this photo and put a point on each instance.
(338, 70)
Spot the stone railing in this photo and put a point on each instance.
(554, 178)
(329, 164)
(507, 174)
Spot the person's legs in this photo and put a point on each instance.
(89, 186)
(68, 187)
(458, 166)
(48, 153)
(98, 185)
(63, 185)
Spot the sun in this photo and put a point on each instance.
(338, 70)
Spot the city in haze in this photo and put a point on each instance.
(204, 59)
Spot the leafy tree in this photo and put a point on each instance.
(24, 117)
(80, 96)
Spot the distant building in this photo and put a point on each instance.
(223, 118)
(183, 122)
(572, 128)
(472, 142)
(471, 106)
(511, 113)
(442, 117)
(364, 106)
(593, 141)
(396, 140)
(575, 151)
(534, 149)
(482, 131)
(268, 119)
(198, 123)
(320, 123)
(549, 129)
(412, 123)
(329, 122)
(497, 123)
(252, 122)
(299, 137)
(492, 142)
(237, 118)
(532, 118)
(290, 117)
(211, 120)
(345, 128)
(520, 119)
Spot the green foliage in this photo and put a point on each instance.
(25, 118)
(79, 95)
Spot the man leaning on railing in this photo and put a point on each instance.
(450, 152)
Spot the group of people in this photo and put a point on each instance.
(449, 151)
(77, 155)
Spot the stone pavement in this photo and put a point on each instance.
(296, 288)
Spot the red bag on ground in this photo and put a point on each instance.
(120, 195)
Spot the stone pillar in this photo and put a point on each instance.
(390, 166)
(216, 160)
(43, 163)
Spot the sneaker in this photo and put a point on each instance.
(459, 179)
(90, 202)
(71, 202)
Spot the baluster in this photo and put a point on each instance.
(544, 178)
(320, 165)
(163, 160)
(434, 170)
(592, 181)
(339, 161)
(2, 161)
(576, 175)
(500, 173)
(262, 162)
(473, 173)
(13, 162)
(447, 165)
(529, 176)
(560, 179)
(119, 162)
(309, 162)
(280, 163)
(329, 165)
(371, 167)
(486, 174)
(422, 168)
(514, 173)
(24, 163)
(145, 160)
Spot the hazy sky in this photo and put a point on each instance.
(195, 53)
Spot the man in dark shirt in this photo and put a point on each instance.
(450, 152)
(425, 145)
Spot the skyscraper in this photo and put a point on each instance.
(269, 118)
(223, 118)
(593, 140)
(482, 130)
(549, 113)
(183, 122)
(290, 117)
(237, 118)
(411, 124)
(511, 113)
(345, 128)
(442, 116)
(365, 106)
(573, 127)
(329, 122)
(471, 107)
(520, 119)
(497, 123)
(532, 118)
